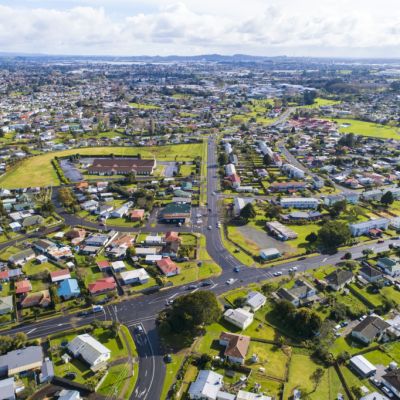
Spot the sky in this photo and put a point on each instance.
(317, 28)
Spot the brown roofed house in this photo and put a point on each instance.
(137, 215)
(168, 267)
(41, 299)
(236, 346)
(122, 166)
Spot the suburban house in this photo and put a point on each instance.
(362, 366)
(40, 299)
(239, 203)
(287, 186)
(6, 305)
(21, 360)
(137, 215)
(76, 235)
(370, 274)
(22, 287)
(339, 278)
(371, 328)
(239, 317)
(300, 294)
(66, 394)
(392, 381)
(68, 289)
(363, 228)
(389, 266)
(236, 346)
(206, 386)
(135, 276)
(22, 257)
(89, 349)
(168, 267)
(60, 275)
(255, 300)
(7, 389)
(299, 202)
(102, 285)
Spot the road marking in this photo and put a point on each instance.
(214, 286)
(195, 290)
(324, 259)
(31, 331)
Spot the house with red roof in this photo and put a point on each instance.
(168, 267)
(22, 287)
(137, 215)
(104, 265)
(60, 275)
(172, 237)
(102, 285)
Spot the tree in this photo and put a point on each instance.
(337, 208)
(273, 211)
(334, 234)
(248, 212)
(189, 313)
(268, 160)
(223, 159)
(311, 237)
(387, 198)
(338, 312)
(309, 97)
(347, 256)
(316, 377)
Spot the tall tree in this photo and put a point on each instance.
(334, 234)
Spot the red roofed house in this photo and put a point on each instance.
(57, 276)
(103, 265)
(235, 179)
(168, 267)
(102, 285)
(137, 215)
(172, 237)
(22, 287)
(76, 235)
(4, 276)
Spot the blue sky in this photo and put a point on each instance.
(363, 28)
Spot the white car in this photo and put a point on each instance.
(209, 227)
(231, 281)
(278, 273)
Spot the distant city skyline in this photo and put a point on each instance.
(329, 28)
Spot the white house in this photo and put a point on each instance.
(299, 202)
(91, 350)
(244, 395)
(362, 228)
(239, 317)
(206, 386)
(293, 171)
(389, 266)
(392, 381)
(230, 169)
(362, 366)
(135, 276)
(239, 203)
(255, 300)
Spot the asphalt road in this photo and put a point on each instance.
(143, 309)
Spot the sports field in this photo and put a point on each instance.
(38, 171)
(364, 128)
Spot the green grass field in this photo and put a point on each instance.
(364, 128)
(143, 106)
(322, 102)
(38, 171)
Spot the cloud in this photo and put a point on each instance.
(255, 26)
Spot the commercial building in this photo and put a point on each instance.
(21, 360)
(175, 213)
(363, 228)
(280, 231)
(299, 202)
(122, 166)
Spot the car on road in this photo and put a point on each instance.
(206, 283)
(387, 392)
(381, 241)
(138, 329)
(209, 227)
(83, 313)
(218, 224)
(293, 269)
(191, 287)
(236, 269)
(231, 281)
(169, 302)
(277, 273)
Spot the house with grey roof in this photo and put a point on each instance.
(6, 305)
(339, 278)
(21, 360)
(369, 329)
(389, 266)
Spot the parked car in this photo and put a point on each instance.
(277, 273)
(231, 281)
